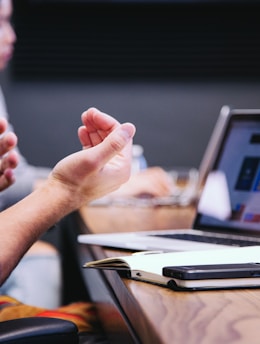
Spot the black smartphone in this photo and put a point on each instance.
(194, 272)
(214, 276)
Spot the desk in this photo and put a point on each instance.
(145, 313)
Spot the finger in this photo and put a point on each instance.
(3, 125)
(94, 120)
(118, 141)
(84, 137)
(9, 161)
(98, 125)
(6, 179)
(8, 142)
(90, 139)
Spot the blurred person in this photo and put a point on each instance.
(39, 272)
(26, 174)
(41, 265)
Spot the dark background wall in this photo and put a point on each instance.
(168, 68)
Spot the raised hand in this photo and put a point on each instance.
(8, 158)
(105, 161)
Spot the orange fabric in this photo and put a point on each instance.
(83, 314)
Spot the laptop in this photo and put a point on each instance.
(228, 211)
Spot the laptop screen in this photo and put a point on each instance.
(238, 160)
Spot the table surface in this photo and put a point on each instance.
(159, 315)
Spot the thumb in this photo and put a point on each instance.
(116, 142)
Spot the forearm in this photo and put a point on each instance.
(77, 179)
(27, 220)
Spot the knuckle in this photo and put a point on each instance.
(116, 145)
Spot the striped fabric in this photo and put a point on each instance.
(83, 314)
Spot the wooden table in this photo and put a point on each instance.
(146, 313)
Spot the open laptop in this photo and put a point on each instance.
(232, 164)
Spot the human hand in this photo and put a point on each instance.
(151, 182)
(103, 164)
(8, 158)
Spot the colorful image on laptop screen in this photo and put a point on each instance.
(239, 159)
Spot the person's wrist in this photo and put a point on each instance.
(63, 197)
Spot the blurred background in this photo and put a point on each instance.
(167, 66)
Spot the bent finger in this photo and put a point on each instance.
(3, 125)
(8, 142)
(9, 161)
(95, 119)
(6, 179)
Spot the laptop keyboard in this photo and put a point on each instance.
(211, 240)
